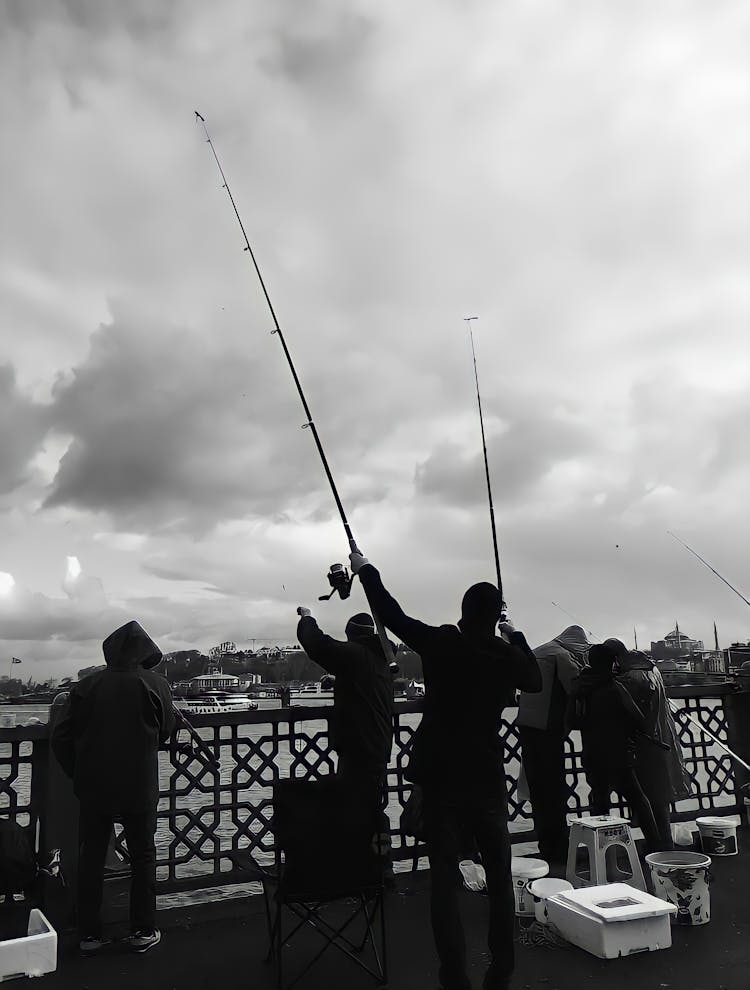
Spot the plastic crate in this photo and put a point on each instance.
(32, 955)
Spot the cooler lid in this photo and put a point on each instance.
(615, 902)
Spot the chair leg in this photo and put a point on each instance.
(279, 956)
(383, 942)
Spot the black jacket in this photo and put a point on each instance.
(116, 719)
(362, 723)
(456, 748)
(609, 720)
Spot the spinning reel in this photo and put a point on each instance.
(340, 581)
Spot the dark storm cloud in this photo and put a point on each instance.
(24, 424)
(520, 456)
(139, 18)
(322, 47)
(166, 427)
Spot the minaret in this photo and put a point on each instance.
(635, 638)
(716, 637)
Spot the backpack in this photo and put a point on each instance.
(18, 866)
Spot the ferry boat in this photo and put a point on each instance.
(213, 702)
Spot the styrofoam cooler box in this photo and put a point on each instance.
(612, 919)
(32, 955)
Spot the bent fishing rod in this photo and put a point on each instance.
(468, 321)
(712, 569)
(335, 581)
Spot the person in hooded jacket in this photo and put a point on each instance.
(108, 742)
(457, 760)
(658, 754)
(611, 722)
(542, 731)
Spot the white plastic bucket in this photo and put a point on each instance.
(682, 878)
(543, 888)
(524, 869)
(718, 836)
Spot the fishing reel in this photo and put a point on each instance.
(340, 581)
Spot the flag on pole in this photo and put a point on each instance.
(15, 660)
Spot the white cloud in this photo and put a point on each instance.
(577, 178)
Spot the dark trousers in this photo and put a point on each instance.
(604, 779)
(447, 821)
(94, 832)
(653, 776)
(543, 753)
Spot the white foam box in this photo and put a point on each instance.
(612, 920)
(32, 955)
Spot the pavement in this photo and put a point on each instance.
(221, 946)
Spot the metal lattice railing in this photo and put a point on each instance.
(208, 815)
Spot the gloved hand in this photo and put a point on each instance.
(302, 611)
(358, 561)
(506, 629)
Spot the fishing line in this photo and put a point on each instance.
(353, 548)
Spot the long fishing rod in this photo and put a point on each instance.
(706, 563)
(468, 321)
(353, 548)
(683, 713)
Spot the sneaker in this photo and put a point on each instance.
(91, 944)
(143, 941)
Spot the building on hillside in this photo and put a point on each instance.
(217, 681)
(676, 646)
(710, 662)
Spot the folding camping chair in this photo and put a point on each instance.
(327, 851)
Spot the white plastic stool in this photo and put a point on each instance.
(600, 834)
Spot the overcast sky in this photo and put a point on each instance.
(573, 174)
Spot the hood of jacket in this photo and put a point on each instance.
(130, 647)
(574, 640)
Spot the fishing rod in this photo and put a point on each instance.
(338, 576)
(197, 742)
(706, 564)
(468, 321)
(683, 713)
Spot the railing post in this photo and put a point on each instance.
(737, 707)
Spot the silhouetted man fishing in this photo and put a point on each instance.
(456, 758)
(610, 723)
(362, 722)
(108, 742)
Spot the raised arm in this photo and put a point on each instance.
(329, 653)
(417, 635)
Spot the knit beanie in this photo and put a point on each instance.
(360, 626)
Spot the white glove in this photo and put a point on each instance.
(358, 561)
(302, 611)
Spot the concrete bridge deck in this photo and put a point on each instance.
(220, 946)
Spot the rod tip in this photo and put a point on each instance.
(199, 116)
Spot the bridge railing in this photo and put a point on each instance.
(208, 817)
